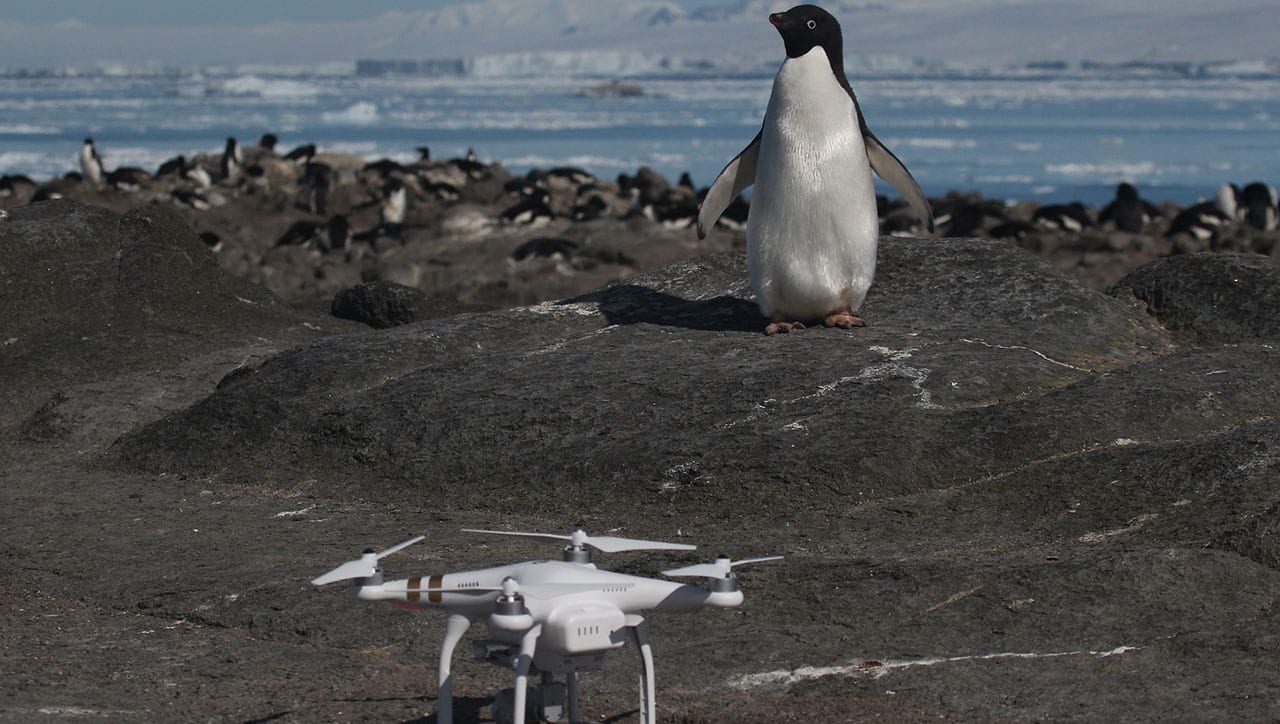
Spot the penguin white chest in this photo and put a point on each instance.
(812, 227)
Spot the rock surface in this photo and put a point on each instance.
(1010, 497)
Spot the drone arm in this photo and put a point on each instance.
(454, 628)
(692, 598)
(527, 644)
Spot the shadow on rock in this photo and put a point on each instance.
(633, 304)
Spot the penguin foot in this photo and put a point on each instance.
(782, 327)
(843, 320)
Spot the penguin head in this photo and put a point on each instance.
(805, 27)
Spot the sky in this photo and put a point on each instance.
(169, 13)
(315, 33)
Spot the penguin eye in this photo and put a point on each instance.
(812, 24)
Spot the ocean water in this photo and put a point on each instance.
(1042, 138)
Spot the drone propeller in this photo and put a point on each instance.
(362, 567)
(722, 568)
(609, 544)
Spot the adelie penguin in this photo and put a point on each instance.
(232, 161)
(91, 163)
(812, 229)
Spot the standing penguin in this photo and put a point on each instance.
(232, 161)
(812, 229)
(91, 162)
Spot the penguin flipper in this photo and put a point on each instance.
(888, 167)
(736, 176)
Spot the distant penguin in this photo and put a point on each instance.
(395, 201)
(592, 207)
(316, 179)
(172, 167)
(232, 160)
(128, 178)
(14, 185)
(91, 163)
(1063, 217)
(424, 153)
(211, 240)
(812, 228)
(1127, 211)
(544, 247)
(299, 233)
(302, 154)
(1258, 206)
(533, 209)
(196, 174)
(268, 141)
(1203, 220)
(339, 234)
(383, 167)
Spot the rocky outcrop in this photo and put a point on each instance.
(91, 296)
(1008, 497)
(1211, 298)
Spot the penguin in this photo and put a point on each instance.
(317, 180)
(592, 207)
(1128, 211)
(544, 246)
(339, 235)
(1203, 220)
(1258, 206)
(395, 202)
(232, 160)
(532, 209)
(91, 162)
(812, 227)
(299, 233)
(302, 154)
(128, 178)
(13, 185)
(196, 174)
(172, 167)
(1072, 217)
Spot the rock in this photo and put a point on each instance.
(91, 295)
(383, 304)
(1212, 298)
(1008, 497)
(675, 365)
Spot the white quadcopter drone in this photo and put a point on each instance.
(547, 617)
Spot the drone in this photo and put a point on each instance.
(547, 617)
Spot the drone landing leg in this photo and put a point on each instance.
(454, 628)
(527, 644)
(571, 693)
(648, 692)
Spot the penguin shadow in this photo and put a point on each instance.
(632, 304)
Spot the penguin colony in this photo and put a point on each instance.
(811, 226)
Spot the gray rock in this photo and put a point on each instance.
(91, 296)
(1007, 498)
(383, 304)
(1210, 298)
(607, 392)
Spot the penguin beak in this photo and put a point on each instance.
(777, 19)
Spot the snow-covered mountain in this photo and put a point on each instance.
(621, 37)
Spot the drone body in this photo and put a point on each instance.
(553, 617)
